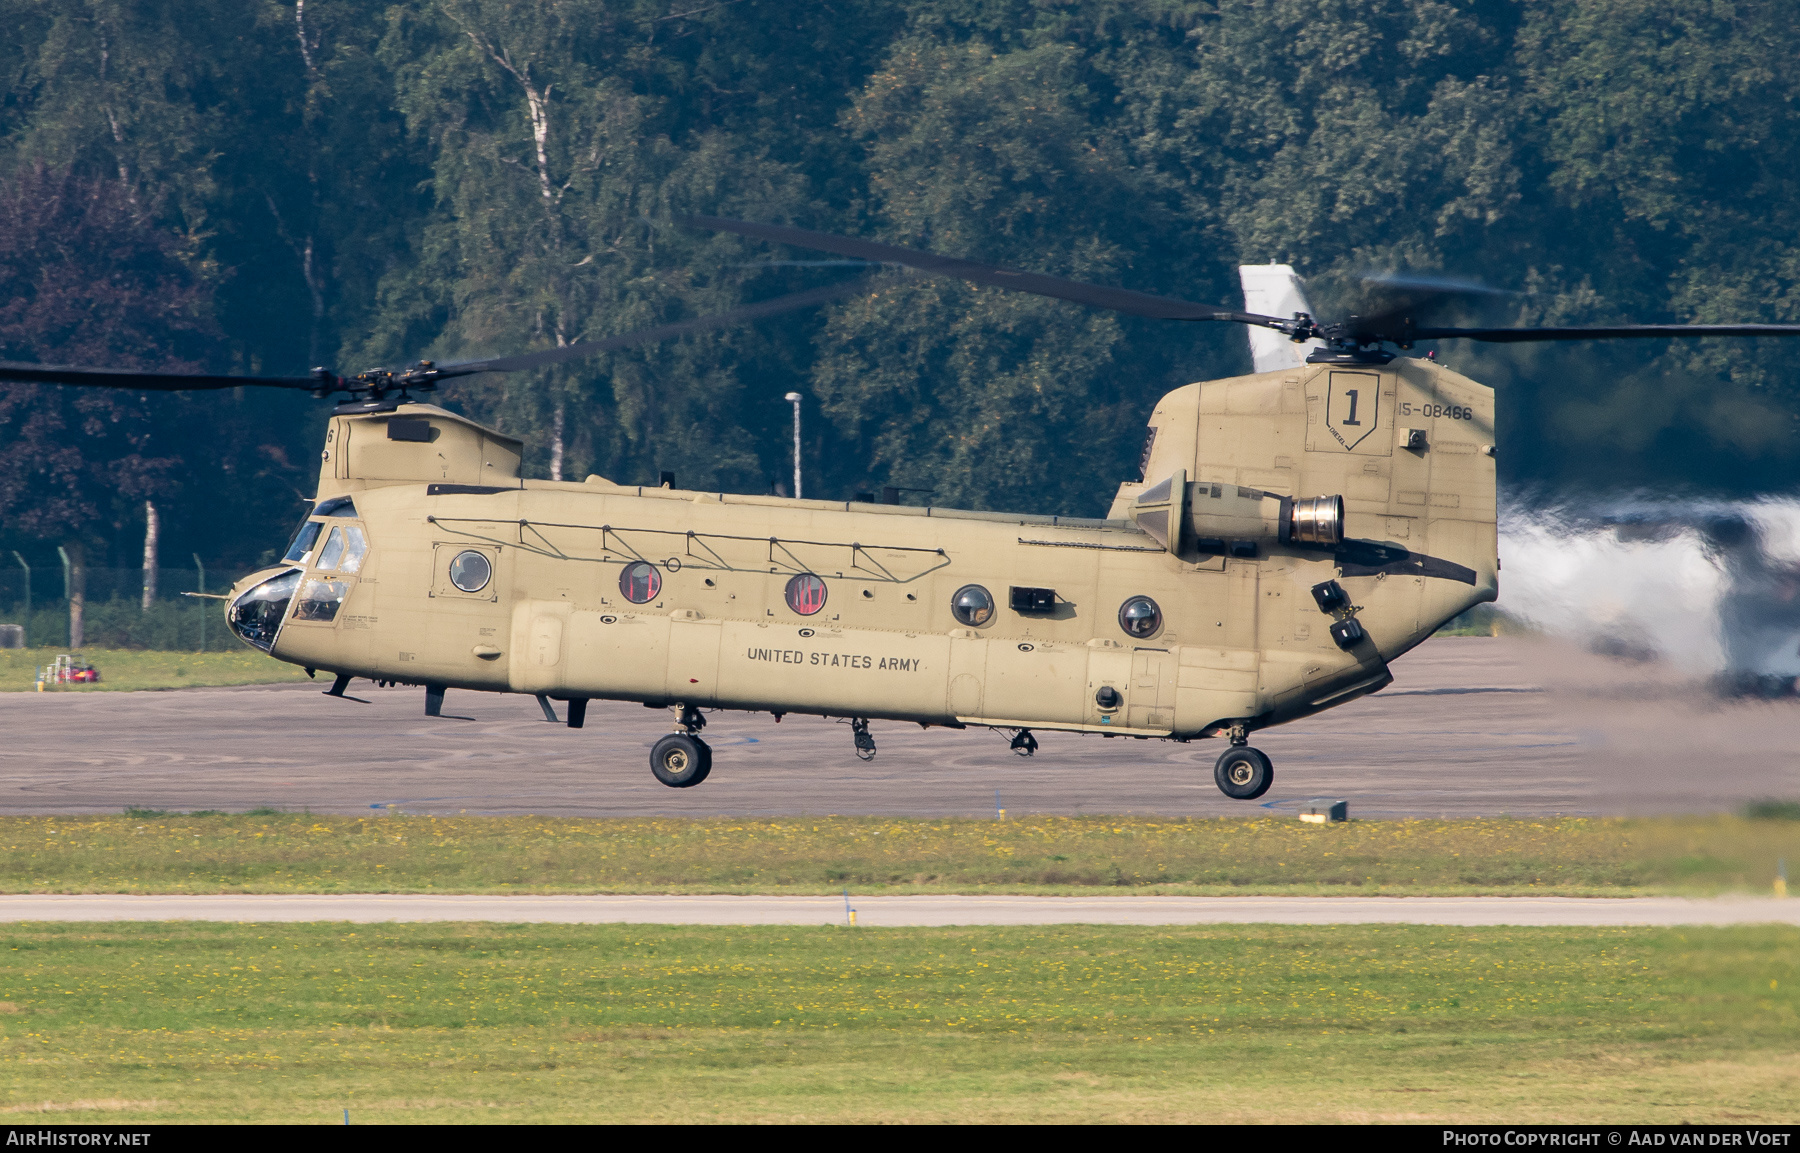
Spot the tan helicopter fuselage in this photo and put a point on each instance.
(1239, 639)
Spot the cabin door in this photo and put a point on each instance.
(693, 676)
(1152, 700)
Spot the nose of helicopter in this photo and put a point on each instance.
(258, 604)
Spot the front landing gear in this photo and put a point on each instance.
(1243, 773)
(682, 760)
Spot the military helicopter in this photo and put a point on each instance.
(1290, 534)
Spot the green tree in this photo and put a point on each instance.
(1670, 148)
(987, 397)
(359, 182)
(281, 181)
(555, 171)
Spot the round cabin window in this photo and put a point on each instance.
(471, 571)
(806, 594)
(640, 582)
(972, 605)
(1140, 618)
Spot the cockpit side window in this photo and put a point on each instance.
(319, 600)
(343, 550)
(333, 550)
(312, 527)
(303, 542)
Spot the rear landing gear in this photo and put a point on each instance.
(682, 760)
(1243, 773)
(1023, 743)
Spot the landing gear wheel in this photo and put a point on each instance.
(1243, 774)
(681, 761)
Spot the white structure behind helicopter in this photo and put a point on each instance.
(1274, 290)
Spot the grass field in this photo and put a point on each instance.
(129, 669)
(418, 1023)
(273, 852)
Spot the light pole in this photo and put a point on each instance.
(27, 569)
(202, 587)
(793, 398)
(69, 592)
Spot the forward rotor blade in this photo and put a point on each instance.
(176, 382)
(143, 381)
(1607, 332)
(991, 275)
(749, 312)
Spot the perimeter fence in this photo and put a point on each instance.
(114, 615)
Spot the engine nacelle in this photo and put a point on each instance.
(1227, 519)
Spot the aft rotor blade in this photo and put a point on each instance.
(1429, 284)
(749, 312)
(991, 275)
(145, 381)
(1607, 332)
(1401, 300)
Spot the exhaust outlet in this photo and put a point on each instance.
(1317, 520)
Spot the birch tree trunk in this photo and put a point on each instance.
(152, 529)
(556, 442)
(77, 592)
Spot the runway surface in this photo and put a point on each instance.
(1471, 726)
(877, 912)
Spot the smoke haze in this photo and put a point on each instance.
(1712, 588)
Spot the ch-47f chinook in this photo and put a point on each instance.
(1292, 533)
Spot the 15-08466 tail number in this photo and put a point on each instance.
(1451, 411)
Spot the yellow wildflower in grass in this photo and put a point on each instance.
(141, 852)
(644, 1023)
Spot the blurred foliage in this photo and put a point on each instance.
(1773, 810)
(360, 182)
